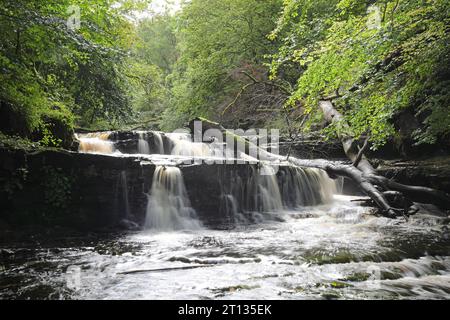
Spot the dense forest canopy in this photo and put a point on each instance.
(384, 64)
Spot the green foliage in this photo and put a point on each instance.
(57, 188)
(48, 139)
(381, 57)
(153, 57)
(17, 142)
(216, 40)
(11, 181)
(50, 70)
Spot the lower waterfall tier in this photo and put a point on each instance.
(91, 191)
(230, 195)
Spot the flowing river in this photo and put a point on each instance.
(336, 250)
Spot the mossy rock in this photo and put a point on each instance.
(357, 277)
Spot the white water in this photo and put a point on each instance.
(267, 194)
(143, 146)
(168, 206)
(96, 142)
(178, 146)
(183, 146)
(264, 192)
(269, 191)
(309, 185)
(322, 246)
(336, 250)
(158, 142)
(124, 187)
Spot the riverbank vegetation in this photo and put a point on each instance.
(244, 63)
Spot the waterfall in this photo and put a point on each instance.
(183, 146)
(143, 146)
(228, 206)
(96, 142)
(159, 143)
(124, 187)
(305, 187)
(264, 190)
(168, 206)
(265, 194)
(243, 193)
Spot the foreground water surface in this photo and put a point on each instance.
(335, 251)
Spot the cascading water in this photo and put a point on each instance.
(159, 143)
(124, 187)
(268, 190)
(229, 207)
(265, 193)
(323, 246)
(265, 190)
(306, 186)
(168, 206)
(96, 142)
(183, 146)
(143, 146)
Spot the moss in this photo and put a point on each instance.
(331, 295)
(222, 291)
(17, 142)
(56, 130)
(57, 187)
(390, 275)
(321, 257)
(357, 277)
(339, 285)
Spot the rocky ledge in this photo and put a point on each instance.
(433, 173)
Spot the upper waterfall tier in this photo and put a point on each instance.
(221, 191)
(159, 147)
(97, 142)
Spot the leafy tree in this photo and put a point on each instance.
(216, 40)
(377, 57)
(54, 75)
(153, 57)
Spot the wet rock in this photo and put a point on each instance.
(81, 191)
(129, 225)
(433, 173)
(6, 253)
(304, 215)
(312, 146)
(220, 292)
(331, 295)
(128, 141)
(357, 277)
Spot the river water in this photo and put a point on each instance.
(333, 251)
(337, 250)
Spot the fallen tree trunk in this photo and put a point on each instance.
(344, 134)
(356, 155)
(363, 175)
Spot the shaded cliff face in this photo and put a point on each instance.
(92, 191)
(99, 192)
(77, 190)
(432, 172)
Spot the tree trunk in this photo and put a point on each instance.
(356, 155)
(344, 134)
(363, 175)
